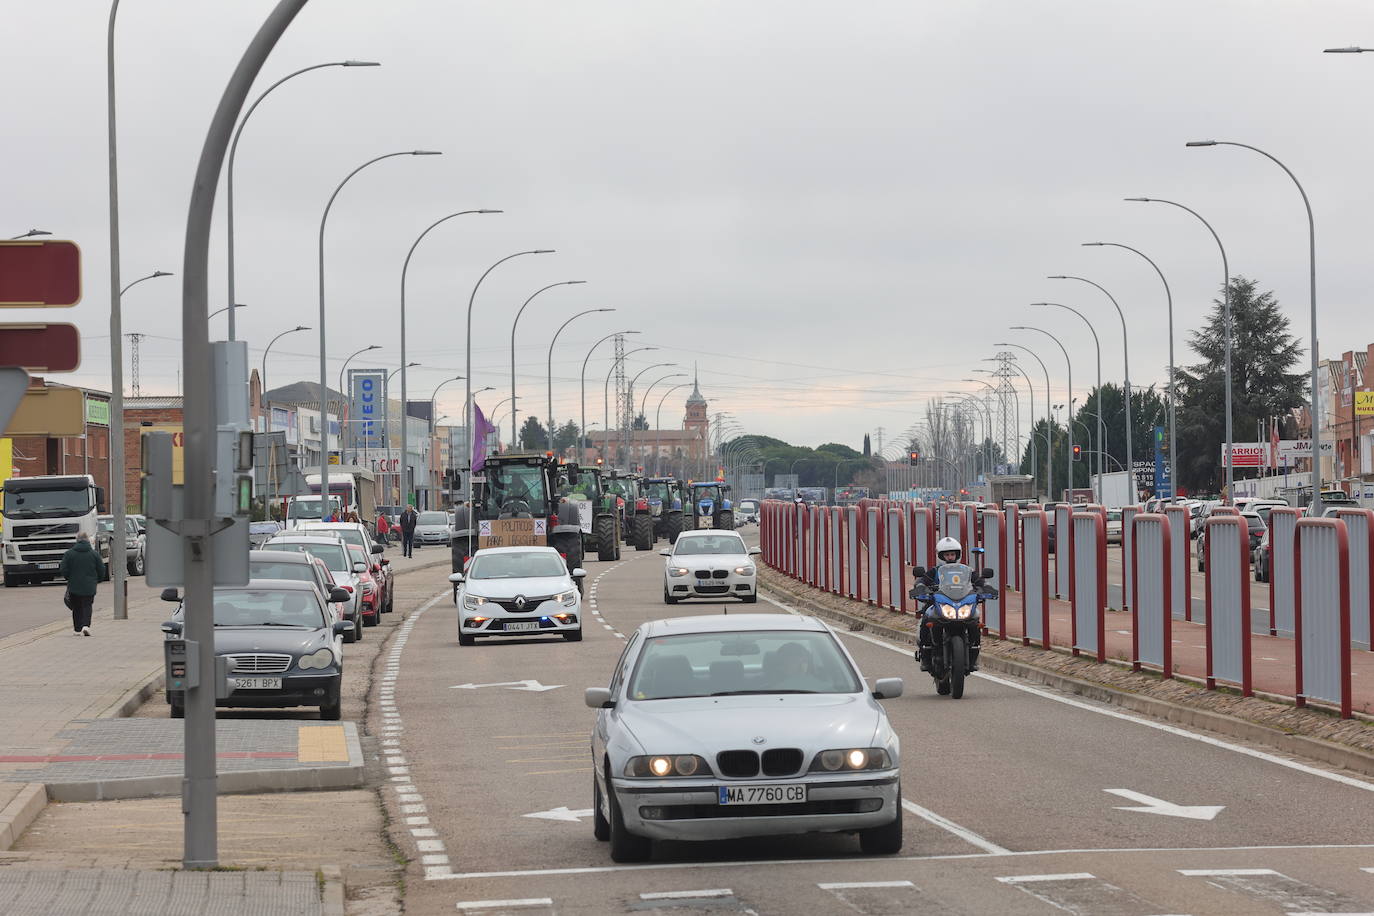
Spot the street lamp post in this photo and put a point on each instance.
(1226, 333)
(118, 497)
(1030, 429)
(350, 359)
(644, 407)
(228, 308)
(30, 234)
(1173, 388)
(658, 430)
(405, 270)
(1068, 474)
(549, 367)
(1312, 294)
(514, 412)
(1126, 356)
(606, 394)
(590, 351)
(467, 371)
(1049, 418)
(1101, 430)
(268, 349)
(324, 378)
(629, 390)
(343, 427)
(233, 152)
(386, 426)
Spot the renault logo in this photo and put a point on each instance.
(519, 602)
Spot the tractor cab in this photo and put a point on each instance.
(710, 506)
(515, 504)
(637, 521)
(667, 502)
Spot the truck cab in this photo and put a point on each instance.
(43, 516)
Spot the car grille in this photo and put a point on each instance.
(260, 664)
(781, 761)
(777, 761)
(42, 531)
(707, 574)
(530, 604)
(712, 589)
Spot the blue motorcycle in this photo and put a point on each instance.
(951, 619)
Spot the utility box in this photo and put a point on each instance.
(182, 670)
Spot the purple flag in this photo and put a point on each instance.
(480, 430)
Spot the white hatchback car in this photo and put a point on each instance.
(518, 591)
(710, 564)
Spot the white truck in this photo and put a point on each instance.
(351, 489)
(42, 517)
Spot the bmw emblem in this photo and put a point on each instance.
(519, 602)
(759, 739)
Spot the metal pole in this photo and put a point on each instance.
(513, 402)
(324, 379)
(583, 439)
(658, 430)
(233, 152)
(118, 497)
(342, 429)
(644, 404)
(1049, 416)
(1312, 289)
(386, 423)
(1035, 457)
(1068, 474)
(1173, 388)
(630, 393)
(1101, 427)
(268, 349)
(606, 395)
(467, 372)
(514, 411)
(200, 524)
(1226, 322)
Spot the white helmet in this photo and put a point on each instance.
(945, 545)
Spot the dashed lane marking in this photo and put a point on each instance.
(677, 895)
(858, 885)
(525, 903)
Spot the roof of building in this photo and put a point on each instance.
(153, 403)
(695, 399)
(303, 393)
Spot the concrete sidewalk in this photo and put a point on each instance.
(42, 891)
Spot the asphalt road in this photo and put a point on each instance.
(1017, 798)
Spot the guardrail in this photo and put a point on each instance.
(1152, 593)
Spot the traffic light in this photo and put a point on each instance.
(914, 457)
(1078, 453)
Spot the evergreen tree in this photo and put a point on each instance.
(533, 436)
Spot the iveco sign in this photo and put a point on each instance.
(367, 400)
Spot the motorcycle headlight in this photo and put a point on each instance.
(965, 611)
(744, 570)
(853, 758)
(321, 658)
(949, 611)
(568, 598)
(663, 766)
(677, 571)
(473, 602)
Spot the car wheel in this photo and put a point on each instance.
(136, 565)
(667, 598)
(352, 634)
(887, 839)
(11, 581)
(573, 636)
(625, 846)
(467, 640)
(750, 599)
(332, 713)
(601, 828)
(373, 620)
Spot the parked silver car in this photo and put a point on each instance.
(742, 725)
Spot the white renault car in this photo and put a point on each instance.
(742, 725)
(518, 591)
(710, 563)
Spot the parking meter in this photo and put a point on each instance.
(182, 670)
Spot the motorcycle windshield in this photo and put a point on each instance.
(955, 581)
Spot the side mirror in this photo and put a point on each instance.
(598, 698)
(171, 627)
(143, 531)
(665, 552)
(337, 595)
(377, 548)
(384, 561)
(887, 688)
(360, 567)
(170, 594)
(755, 551)
(989, 573)
(341, 627)
(100, 499)
(579, 573)
(918, 571)
(455, 578)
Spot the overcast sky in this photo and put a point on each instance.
(835, 209)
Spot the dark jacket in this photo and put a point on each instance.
(82, 568)
(409, 518)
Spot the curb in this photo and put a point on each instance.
(1298, 745)
(21, 812)
(129, 703)
(333, 895)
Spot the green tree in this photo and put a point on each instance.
(639, 422)
(533, 436)
(566, 436)
(1263, 353)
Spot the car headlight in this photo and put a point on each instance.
(744, 570)
(321, 658)
(677, 571)
(854, 758)
(949, 611)
(663, 766)
(473, 602)
(568, 598)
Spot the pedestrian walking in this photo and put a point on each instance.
(408, 522)
(383, 528)
(83, 569)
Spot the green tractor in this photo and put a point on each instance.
(668, 499)
(598, 517)
(636, 515)
(515, 505)
(710, 506)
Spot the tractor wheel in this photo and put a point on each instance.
(644, 532)
(726, 521)
(606, 546)
(570, 545)
(673, 527)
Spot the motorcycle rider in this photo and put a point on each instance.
(948, 551)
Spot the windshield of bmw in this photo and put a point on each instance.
(266, 608)
(516, 566)
(728, 664)
(709, 544)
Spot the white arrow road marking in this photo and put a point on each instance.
(561, 813)
(1151, 805)
(530, 685)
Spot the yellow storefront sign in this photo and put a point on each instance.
(1364, 403)
(178, 450)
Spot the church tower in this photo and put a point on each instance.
(695, 418)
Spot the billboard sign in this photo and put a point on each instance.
(1364, 403)
(43, 274)
(367, 397)
(1246, 454)
(1292, 449)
